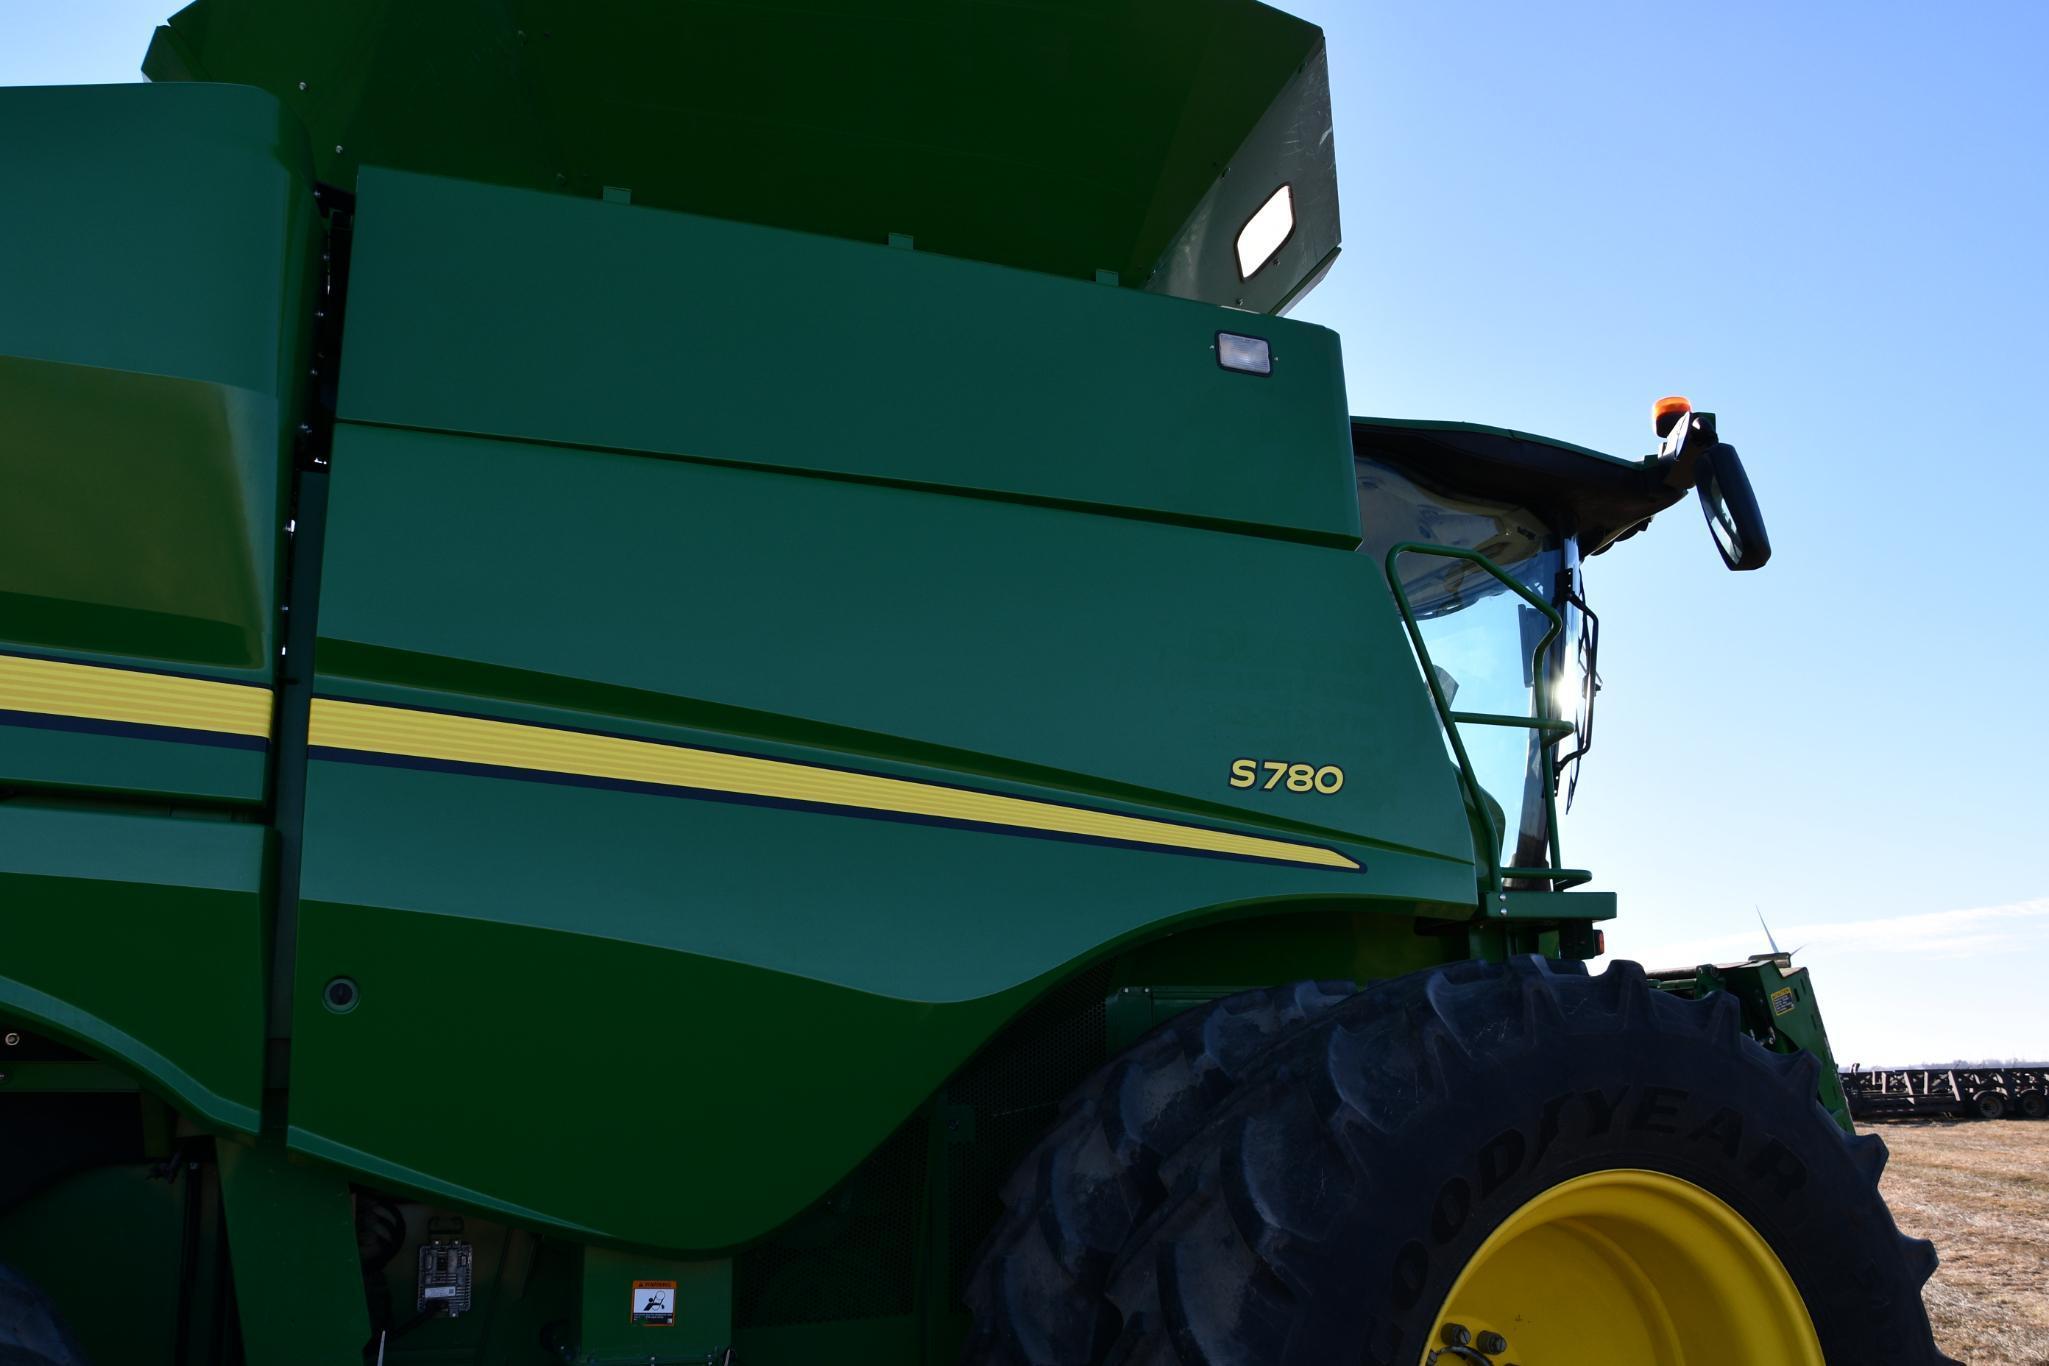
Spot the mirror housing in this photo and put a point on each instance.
(1729, 505)
(1694, 455)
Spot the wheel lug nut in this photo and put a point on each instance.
(1490, 1344)
(1455, 1335)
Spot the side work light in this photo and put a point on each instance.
(1247, 355)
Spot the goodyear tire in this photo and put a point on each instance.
(1489, 1165)
(1073, 1203)
(31, 1333)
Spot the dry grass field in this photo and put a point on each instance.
(1981, 1191)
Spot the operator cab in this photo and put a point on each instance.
(1483, 532)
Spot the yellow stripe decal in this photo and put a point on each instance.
(432, 736)
(94, 692)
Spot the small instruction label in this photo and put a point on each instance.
(1782, 1001)
(654, 1304)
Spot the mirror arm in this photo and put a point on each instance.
(1679, 456)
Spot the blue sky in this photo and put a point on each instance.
(1826, 223)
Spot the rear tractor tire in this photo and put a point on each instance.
(2032, 1105)
(1988, 1105)
(1075, 1200)
(31, 1331)
(1473, 1166)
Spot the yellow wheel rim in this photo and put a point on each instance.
(1624, 1268)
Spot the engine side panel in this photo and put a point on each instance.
(157, 252)
(141, 939)
(700, 773)
(557, 318)
(155, 261)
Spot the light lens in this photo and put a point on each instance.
(1264, 232)
(1247, 355)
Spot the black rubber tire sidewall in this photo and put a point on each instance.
(1325, 1214)
(32, 1333)
(1676, 1103)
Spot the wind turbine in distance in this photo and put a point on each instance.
(1776, 951)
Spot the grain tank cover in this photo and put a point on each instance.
(1138, 137)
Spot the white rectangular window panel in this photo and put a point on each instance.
(1264, 232)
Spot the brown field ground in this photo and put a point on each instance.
(1980, 1189)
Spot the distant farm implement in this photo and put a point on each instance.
(2018, 1091)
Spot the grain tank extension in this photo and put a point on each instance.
(712, 682)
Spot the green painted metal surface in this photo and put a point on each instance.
(129, 761)
(891, 631)
(169, 232)
(616, 1327)
(144, 518)
(298, 1280)
(726, 597)
(779, 698)
(1064, 139)
(1358, 945)
(1579, 905)
(140, 939)
(155, 260)
(690, 337)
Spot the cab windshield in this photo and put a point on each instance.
(1481, 638)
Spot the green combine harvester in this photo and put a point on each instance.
(709, 682)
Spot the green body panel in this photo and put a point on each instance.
(141, 939)
(765, 709)
(1554, 906)
(464, 1021)
(301, 1292)
(163, 229)
(1064, 138)
(607, 1333)
(693, 337)
(1225, 956)
(155, 265)
(738, 601)
(891, 632)
(131, 762)
(144, 520)
(595, 948)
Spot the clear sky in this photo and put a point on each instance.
(1826, 222)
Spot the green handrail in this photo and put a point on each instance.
(1552, 731)
(1490, 718)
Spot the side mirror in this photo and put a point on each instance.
(1731, 508)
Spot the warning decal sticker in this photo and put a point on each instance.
(1782, 1001)
(654, 1304)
